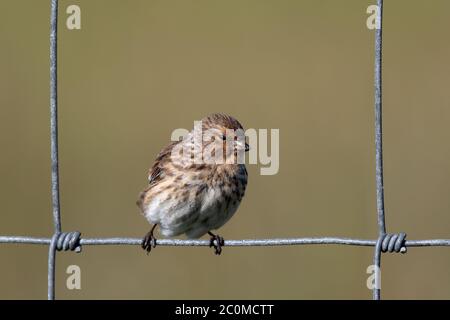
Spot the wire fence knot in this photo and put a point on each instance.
(67, 241)
(391, 242)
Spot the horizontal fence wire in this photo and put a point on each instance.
(73, 241)
(231, 243)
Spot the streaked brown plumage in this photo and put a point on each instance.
(190, 198)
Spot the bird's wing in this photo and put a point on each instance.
(156, 172)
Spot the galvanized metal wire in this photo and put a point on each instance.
(231, 243)
(379, 148)
(73, 240)
(54, 145)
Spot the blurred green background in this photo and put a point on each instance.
(139, 69)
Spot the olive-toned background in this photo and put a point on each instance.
(139, 69)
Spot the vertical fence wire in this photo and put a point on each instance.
(54, 146)
(379, 148)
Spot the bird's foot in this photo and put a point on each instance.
(217, 242)
(149, 241)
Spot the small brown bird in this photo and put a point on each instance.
(196, 184)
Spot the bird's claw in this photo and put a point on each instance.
(217, 242)
(148, 242)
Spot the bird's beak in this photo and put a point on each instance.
(247, 147)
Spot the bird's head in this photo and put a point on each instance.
(225, 131)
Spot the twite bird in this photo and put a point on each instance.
(191, 197)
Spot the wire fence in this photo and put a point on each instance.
(73, 241)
